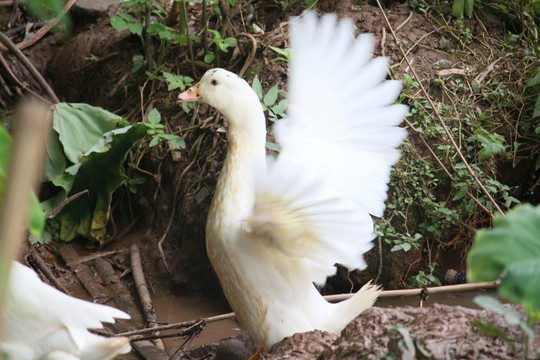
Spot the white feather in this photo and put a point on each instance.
(42, 322)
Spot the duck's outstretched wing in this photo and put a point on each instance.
(338, 145)
(46, 319)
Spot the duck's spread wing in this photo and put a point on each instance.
(338, 145)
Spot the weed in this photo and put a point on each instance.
(155, 130)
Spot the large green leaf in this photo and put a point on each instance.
(99, 173)
(86, 152)
(511, 251)
(80, 126)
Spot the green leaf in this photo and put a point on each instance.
(99, 173)
(457, 8)
(138, 62)
(118, 23)
(468, 7)
(271, 96)
(154, 117)
(511, 250)
(257, 87)
(273, 146)
(155, 140)
(536, 112)
(209, 57)
(285, 52)
(135, 28)
(176, 81)
(511, 316)
(79, 127)
(461, 192)
(280, 107)
(535, 80)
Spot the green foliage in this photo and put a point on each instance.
(86, 152)
(274, 108)
(512, 317)
(534, 82)
(492, 144)
(511, 251)
(424, 279)
(35, 218)
(222, 45)
(176, 81)
(154, 128)
(285, 54)
(137, 24)
(461, 7)
(49, 9)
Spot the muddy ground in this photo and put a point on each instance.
(170, 208)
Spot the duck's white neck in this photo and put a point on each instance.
(244, 162)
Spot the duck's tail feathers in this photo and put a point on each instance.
(348, 310)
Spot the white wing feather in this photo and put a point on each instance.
(44, 319)
(338, 145)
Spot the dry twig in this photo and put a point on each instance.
(142, 290)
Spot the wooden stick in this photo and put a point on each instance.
(332, 298)
(32, 124)
(430, 290)
(29, 66)
(142, 290)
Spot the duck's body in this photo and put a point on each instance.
(44, 323)
(276, 228)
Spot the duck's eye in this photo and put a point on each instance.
(214, 82)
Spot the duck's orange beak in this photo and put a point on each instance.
(191, 94)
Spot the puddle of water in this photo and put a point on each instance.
(172, 308)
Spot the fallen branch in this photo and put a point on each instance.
(57, 209)
(251, 56)
(29, 66)
(331, 298)
(45, 29)
(19, 83)
(40, 263)
(83, 273)
(142, 290)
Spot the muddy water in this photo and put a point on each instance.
(171, 308)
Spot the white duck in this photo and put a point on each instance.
(276, 227)
(46, 324)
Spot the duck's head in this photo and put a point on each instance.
(226, 92)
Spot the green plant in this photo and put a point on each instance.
(85, 153)
(274, 108)
(154, 128)
(511, 251)
(285, 54)
(534, 82)
(512, 317)
(423, 278)
(462, 7)
(222, 44)
(142, 25)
